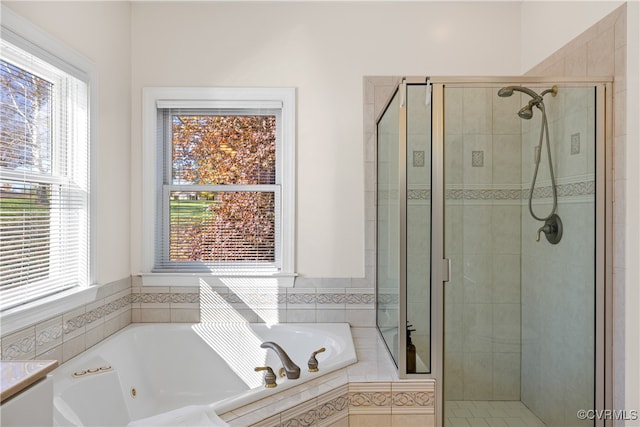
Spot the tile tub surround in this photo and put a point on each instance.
(308, 302)
(367, 393)
(70, 333)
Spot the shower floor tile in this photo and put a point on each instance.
(481, 413)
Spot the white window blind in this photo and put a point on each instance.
(220, 186)
(44, 178)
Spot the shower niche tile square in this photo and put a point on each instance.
(418, 159)
(575, 144)
(477, 159)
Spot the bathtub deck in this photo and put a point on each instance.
(370, 380)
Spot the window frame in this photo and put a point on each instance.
(22, 34)
(154, 162)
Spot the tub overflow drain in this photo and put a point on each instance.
(133, 392)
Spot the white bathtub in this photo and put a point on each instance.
(151, 369)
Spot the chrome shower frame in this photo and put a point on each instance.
(603, 217)
(440, 267)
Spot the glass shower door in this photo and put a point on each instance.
(404, 228)
(388, 225)
(417, 293)
(520, 306)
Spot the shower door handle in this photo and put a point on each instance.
(445, 268)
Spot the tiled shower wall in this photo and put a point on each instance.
(558, 281)
(598, 52)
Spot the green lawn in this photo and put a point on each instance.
(190, 210)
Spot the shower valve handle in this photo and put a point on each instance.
(546, 228)
(552, 229)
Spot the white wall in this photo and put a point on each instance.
(324, 50)
(102, 35)
(548, 25)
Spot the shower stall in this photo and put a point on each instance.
(493, 241)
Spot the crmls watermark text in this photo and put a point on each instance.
(608, 414)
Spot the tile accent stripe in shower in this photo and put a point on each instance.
(564, 190)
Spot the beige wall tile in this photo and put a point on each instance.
(52, 354)
(94, 335)
(342, 422)
(600, 54)
(185, 315)
(413, 420)
(269, 422)
(155, 315)
(360, 420)
(73, 347)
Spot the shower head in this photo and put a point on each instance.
(508, 91)
(526, 112)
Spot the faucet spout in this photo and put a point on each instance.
(292, 370)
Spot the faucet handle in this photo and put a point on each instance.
(313, 362)
(269, 376)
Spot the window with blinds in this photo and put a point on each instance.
(44, 178)
(220, 190)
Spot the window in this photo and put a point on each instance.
(224, 179)
(44, 176)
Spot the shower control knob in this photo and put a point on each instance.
(552, 229)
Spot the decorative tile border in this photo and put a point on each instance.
(413, 398)
(564, 190)
(421, 194)
(391, 298)
(257, 299)
(77, 322)
(302, 415)
(69, 333)
(20, 345)
(48, 334)
(335, 408)
(374, 398)
(574, 189)
(370, 398)
(166, 298)
(395, 398)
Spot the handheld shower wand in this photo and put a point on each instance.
(553, 224)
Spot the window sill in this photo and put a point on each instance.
(237, 279)
(25, 315)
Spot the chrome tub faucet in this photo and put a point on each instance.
(292, 370)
